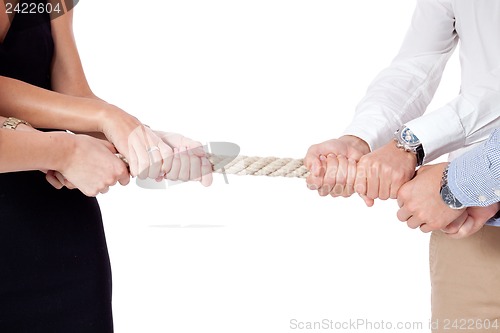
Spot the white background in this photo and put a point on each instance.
(273, 76)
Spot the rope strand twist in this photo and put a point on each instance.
(259, 166)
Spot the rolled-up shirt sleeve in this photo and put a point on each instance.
(474, 177)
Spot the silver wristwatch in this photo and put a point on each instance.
(449, 199)
(405, 139)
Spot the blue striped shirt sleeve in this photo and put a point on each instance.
(474, 178)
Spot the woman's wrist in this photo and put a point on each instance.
(61, 148)
(111, 116)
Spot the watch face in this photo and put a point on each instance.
(449, 199)
(408, 137)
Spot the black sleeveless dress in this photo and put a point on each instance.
(55, 274)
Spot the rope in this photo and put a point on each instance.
(255, 166)
(259, 166)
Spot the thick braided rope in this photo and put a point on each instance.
(259, 166)
(255, 166)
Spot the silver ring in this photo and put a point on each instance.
(152, 149)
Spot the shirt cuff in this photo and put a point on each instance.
(439, 132)
(471, 181)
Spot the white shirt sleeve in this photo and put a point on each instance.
(465, 121)
(402, 91)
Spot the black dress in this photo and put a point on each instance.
(55, 274)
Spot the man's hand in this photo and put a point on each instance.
(421, 204)
(382, 172)
(471, 222)
(333, 165)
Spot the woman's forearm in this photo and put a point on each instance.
(46, 109)
(25, 150)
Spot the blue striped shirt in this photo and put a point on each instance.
(474, 178)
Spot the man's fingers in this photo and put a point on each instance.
(351, 178)
(368, 201)
(425, 228)
(312, 156)
(464, 231)
(331, 162)
(360, 185)
(373, 184)
(403, 214)
(315, 179)
(455, 226)
(384, 191)
(342, 174)
(413, 222)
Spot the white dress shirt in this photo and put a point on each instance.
(401, 93)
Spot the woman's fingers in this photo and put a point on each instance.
(184, 172)
(52, 179)
(173, 174)
(155, 162)
(206, 172)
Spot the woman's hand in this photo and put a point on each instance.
(90, 165)
(155, 154)
(189, 160)
(148, 156)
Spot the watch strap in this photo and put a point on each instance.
(420, 155)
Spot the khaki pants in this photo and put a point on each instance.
(465, 281)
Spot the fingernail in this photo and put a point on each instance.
(322, 158)
(312, 187)
(338, 189)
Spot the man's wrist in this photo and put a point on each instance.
(403, 154)
(406, 140)
(446, 194)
